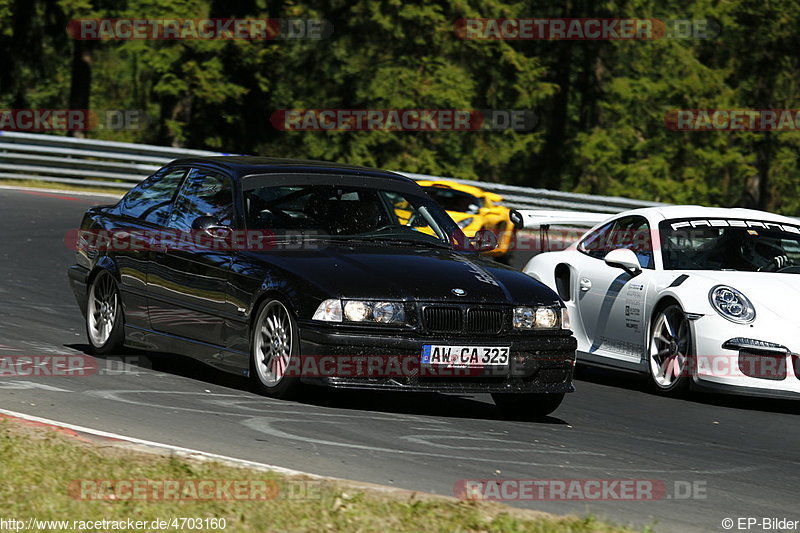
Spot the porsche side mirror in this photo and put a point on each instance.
(484, 241)
(625, 259)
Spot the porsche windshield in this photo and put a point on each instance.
(730, 244)
(349, 213)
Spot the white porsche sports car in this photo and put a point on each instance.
(690, 295)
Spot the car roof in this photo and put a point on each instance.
(669, 212)
(241, 166)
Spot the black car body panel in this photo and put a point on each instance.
(201, 302)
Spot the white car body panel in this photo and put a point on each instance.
(611, 310)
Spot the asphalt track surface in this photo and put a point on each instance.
(744, 452)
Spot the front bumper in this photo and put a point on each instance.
(742, 370)
(537, 363)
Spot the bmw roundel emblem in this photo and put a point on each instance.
(459, 292)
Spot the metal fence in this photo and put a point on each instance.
(88, 162)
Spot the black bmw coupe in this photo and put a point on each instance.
(303, 272)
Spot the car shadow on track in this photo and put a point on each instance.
(641, 384)
(421, 403)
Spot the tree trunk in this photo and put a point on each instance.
(758, 193)
(81, 83)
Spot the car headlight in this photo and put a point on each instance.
(361, 311)
(329, 311)
(388, 312)
(357, 311)
(465, 222)
(537, 317)
(732, 304)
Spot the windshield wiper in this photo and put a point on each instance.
(399, 240)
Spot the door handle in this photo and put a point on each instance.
(585, 284)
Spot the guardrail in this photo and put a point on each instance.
(89, 162)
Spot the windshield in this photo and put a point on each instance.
(730, 244)
(349, 213)
(453, 200)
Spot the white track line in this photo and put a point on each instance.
(178, 450)
(233, 461)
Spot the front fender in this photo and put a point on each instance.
(105, 262)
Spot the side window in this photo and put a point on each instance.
(634, 233)
(596, 243)
(204, 193)
(151, 200)
(628, 232)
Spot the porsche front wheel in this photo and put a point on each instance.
(670, 350)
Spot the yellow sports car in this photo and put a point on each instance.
(473, 209)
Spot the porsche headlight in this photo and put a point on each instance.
(361, 311)
(537, 317)
(732, 304)
(465, 222)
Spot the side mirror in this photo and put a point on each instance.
(417, 221)
(625, 259)
(211, 226)
(484, 241)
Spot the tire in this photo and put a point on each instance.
(528, 406)
(669, 356)
(274, 347)
(105, 325)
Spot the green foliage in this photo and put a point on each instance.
(601, 105)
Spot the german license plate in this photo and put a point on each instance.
(465, 356)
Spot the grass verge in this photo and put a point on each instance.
(40, 468)
(36, 184)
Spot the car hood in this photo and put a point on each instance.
(778, 293)
(404, 272)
